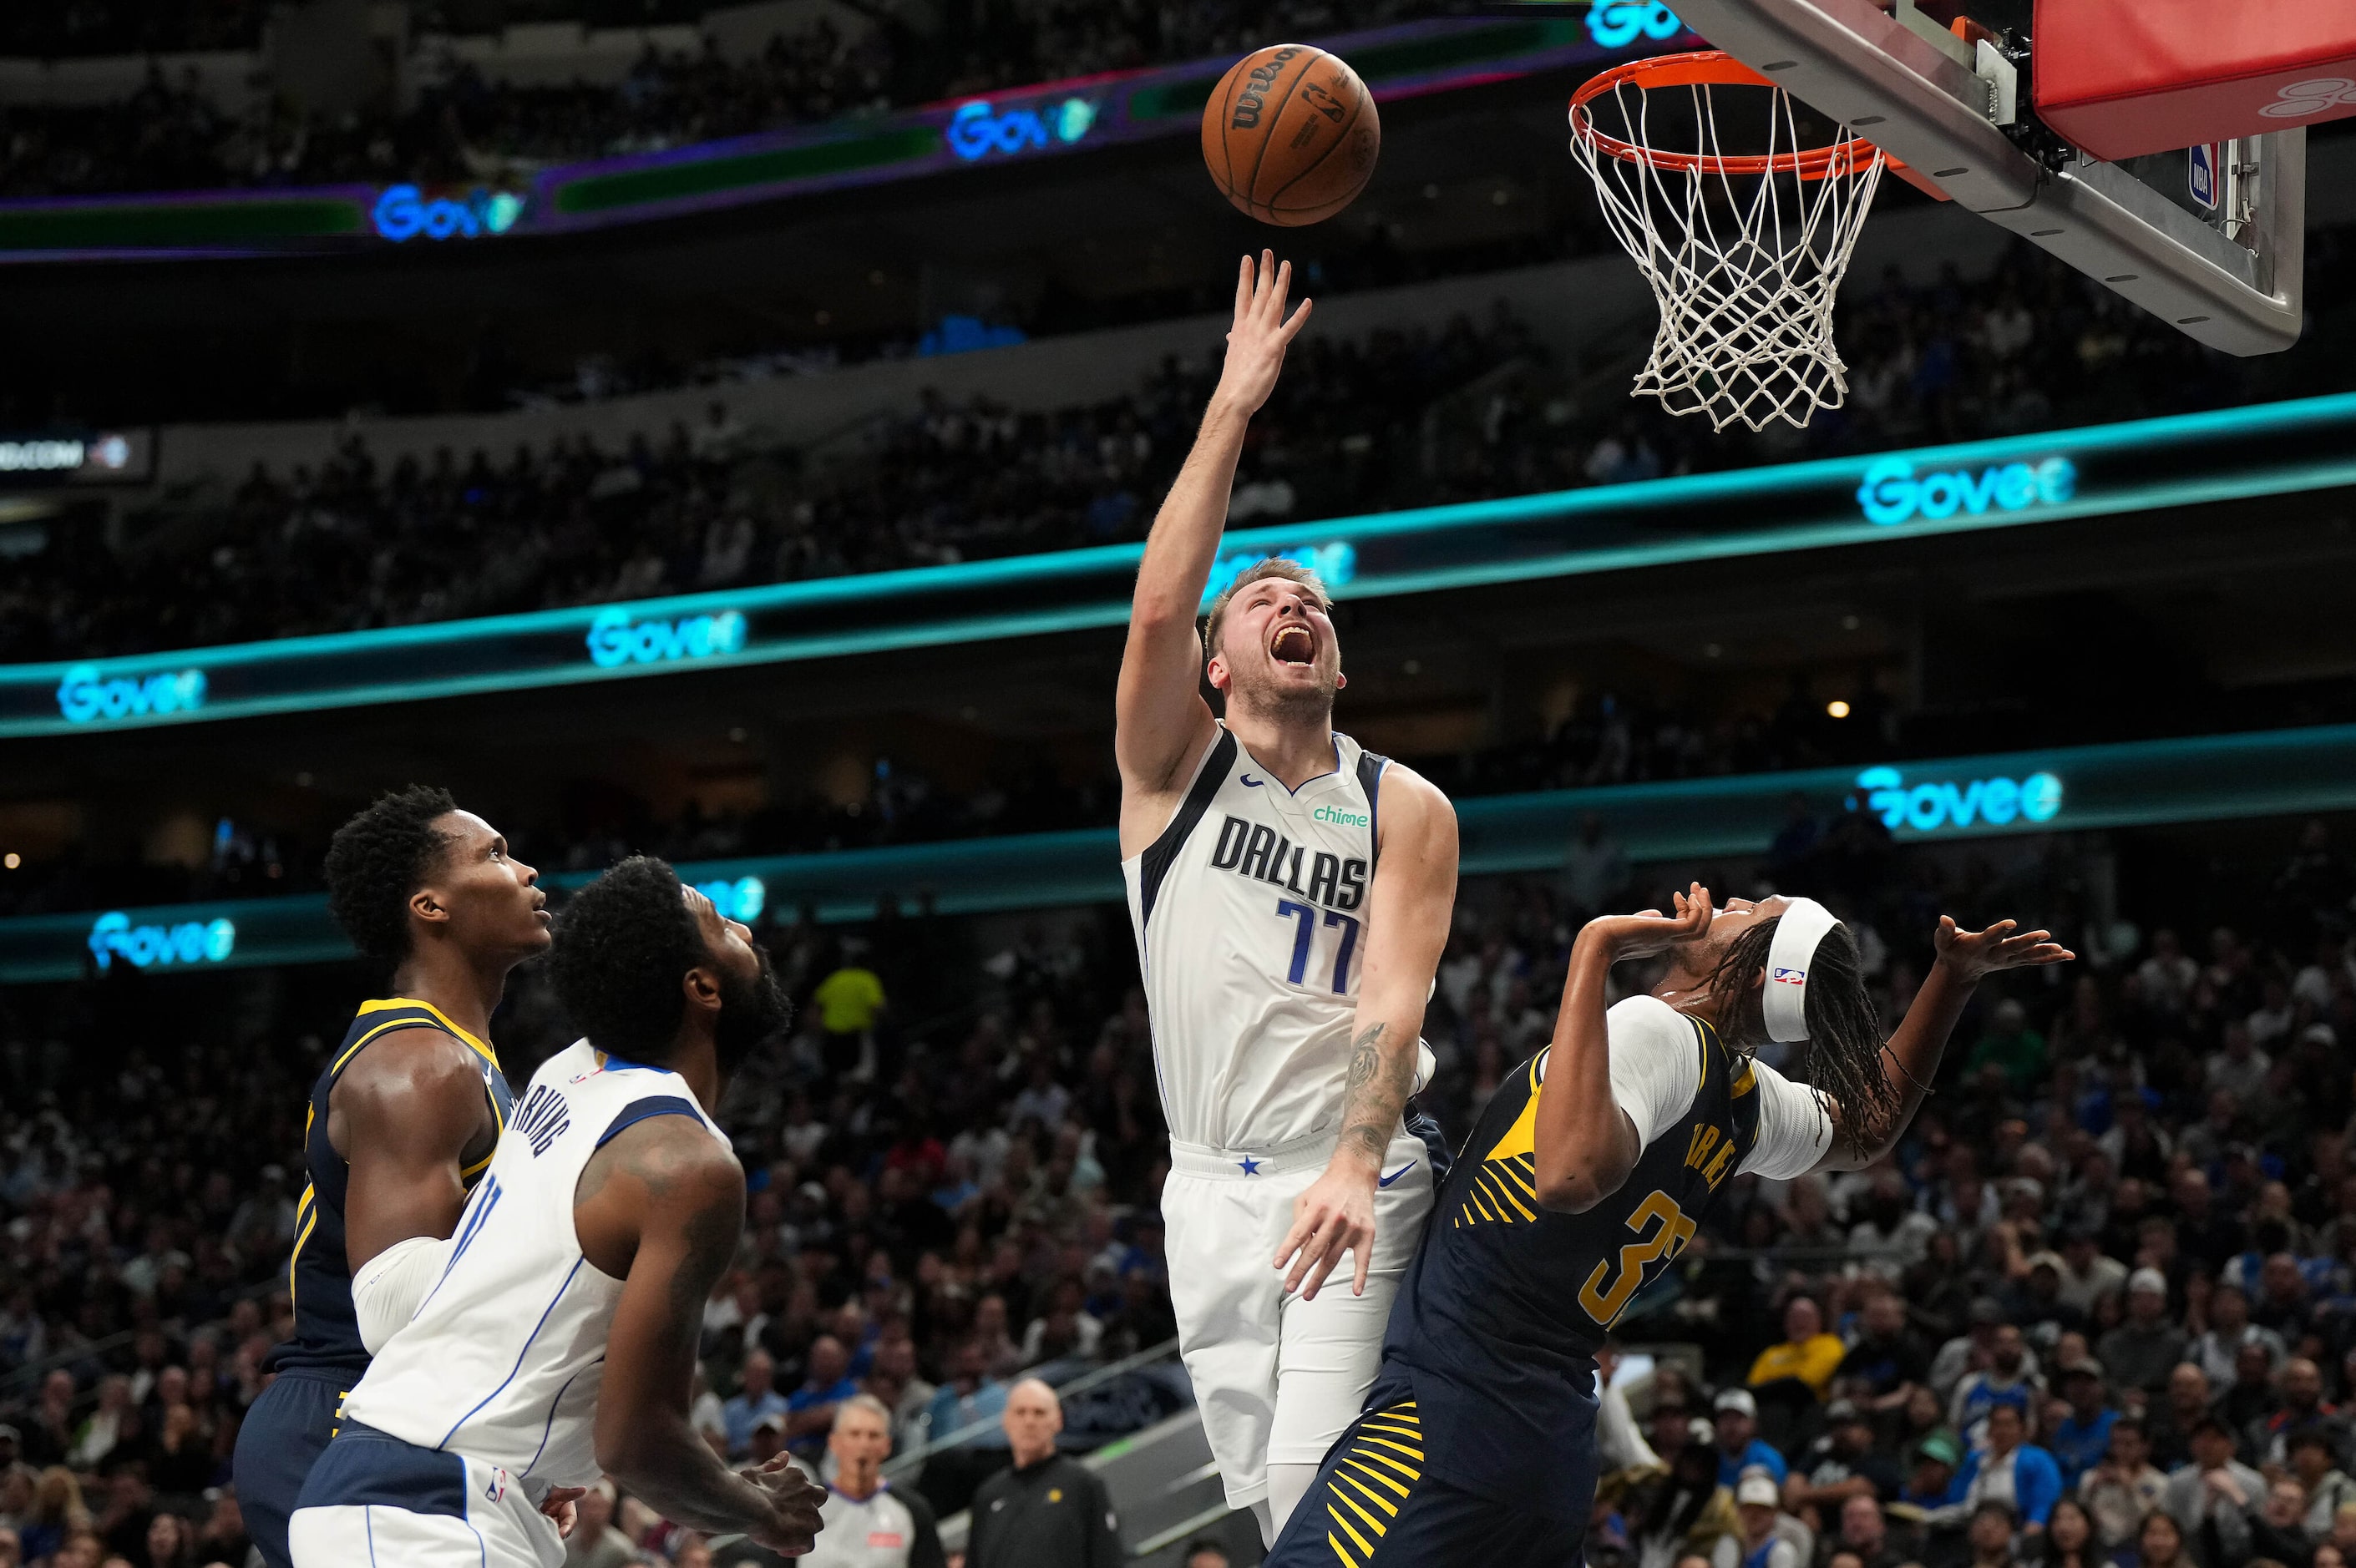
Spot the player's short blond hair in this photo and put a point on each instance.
(1274, 566)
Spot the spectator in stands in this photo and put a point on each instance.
(1757, 1543)
(2069, 1540)
(1973, 1349)
(1988, 1536)
(2217, 1349)
(2143, 1352)
(2006, 1379)
(1845, 1463)
(2170, 1423)
(2010, 1470)
(2315, 1461)
(2009, 1046)
(2278, 1533)
(2213, 1486)
(758, 1398)
(1807, 1355)
(1930, 1483)
(2299, 1387)
(2125, 1486)
(850, 1001)
(2083, 1438)
(809, 1409)
(1865, 1533)
(1740, 1447)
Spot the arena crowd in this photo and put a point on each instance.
(1401, 419)
(172, 136)
(2098, 1304)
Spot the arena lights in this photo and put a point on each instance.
(404, 212)
(617, 639)
(2187, 460)
(1929, 808)
(86, 694)
(1891, 494)
(976, 130)
(741, 899)
(1615, 24)
(1335, 565)
(2281, 774)
(115, 937)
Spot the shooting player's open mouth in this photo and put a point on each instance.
(1293, 645)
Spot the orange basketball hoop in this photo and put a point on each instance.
(1744, 249)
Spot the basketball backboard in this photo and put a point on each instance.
(2211, 238)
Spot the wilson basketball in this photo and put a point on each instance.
(1291, 134)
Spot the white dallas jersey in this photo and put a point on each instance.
(503, 1359)
(1250, 914)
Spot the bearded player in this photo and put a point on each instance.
(1292, 894)
(1588, 1171)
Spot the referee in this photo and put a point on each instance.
(865, 1523)
(1047, 1512)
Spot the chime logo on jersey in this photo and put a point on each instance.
(1255, 850)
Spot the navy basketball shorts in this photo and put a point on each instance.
(1373, 1506)
(284, 1432)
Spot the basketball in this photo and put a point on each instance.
(1291, 134)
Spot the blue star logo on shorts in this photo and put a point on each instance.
(1251, 1165)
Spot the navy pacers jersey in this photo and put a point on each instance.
(1497, 1323)
(326, 1331)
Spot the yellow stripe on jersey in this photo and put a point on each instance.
(1365, 1492)
(388, 1003)
(295, 1258)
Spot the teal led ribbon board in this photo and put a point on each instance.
(2018, 481)
(2139, 783)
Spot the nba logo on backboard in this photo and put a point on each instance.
(2201, 173)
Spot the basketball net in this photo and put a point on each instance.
(1744, 251)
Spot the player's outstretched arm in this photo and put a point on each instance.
(1910, 1059)
(661, 1207)
(1585, 1143)
(402, 1116)
(1407, 915)
(1160, 720)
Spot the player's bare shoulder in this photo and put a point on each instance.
(1414, 817)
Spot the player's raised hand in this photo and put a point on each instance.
(1648, 931)
(1260, 333)
(1969, 954)
(794, 1499)
(1334, 1216)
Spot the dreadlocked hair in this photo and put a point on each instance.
(1841, 1058)
(378, 859)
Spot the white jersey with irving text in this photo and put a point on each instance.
(1250, 914)
(503, 1359)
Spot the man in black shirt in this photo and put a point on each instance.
(1047, 1512)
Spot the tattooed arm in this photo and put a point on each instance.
(1406, 918)
(661, 1208)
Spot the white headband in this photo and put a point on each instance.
(1797, 933)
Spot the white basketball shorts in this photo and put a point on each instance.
(1277, 1378)
(374, 1499)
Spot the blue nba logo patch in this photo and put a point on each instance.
(2200, 173)
(496, 1488)
(1787, 976)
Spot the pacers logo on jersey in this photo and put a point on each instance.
(1255, 850)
